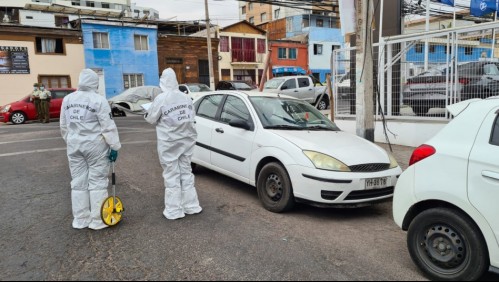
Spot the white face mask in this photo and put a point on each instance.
(42, 88)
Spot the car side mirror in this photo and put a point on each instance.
(284, 87)
(186, 92)
(239, 123)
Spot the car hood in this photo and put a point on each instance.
(345, 147)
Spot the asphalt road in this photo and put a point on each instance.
(233, 239)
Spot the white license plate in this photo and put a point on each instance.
(376, 183)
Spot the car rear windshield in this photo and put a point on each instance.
(242, 86)
(199, 88)
(273, 83)
(289, 114)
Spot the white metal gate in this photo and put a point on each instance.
(461, 65)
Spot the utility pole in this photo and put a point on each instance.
(427, 44)
(364, 70)
(210, 51)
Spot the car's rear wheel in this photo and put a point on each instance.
(18, 118)
(420, 110)
(447, 245)
(274, 188)
(323, 104)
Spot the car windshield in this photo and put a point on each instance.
(289, 114)
(199, 88)
(273, 83)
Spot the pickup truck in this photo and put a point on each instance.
(300, 87)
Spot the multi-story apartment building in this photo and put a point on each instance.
(58, 13)
(257, 13)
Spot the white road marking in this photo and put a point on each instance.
(57, 138)
(64, 149)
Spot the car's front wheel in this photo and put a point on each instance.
(18, 118)
(447, 245)
(274, 188)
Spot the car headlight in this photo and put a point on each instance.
(322, 161)
(5, 109)
(393, 162)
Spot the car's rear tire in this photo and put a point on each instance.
(420, 111)
(274, 188)
(18, 118)
(323, 104)
(447, 245)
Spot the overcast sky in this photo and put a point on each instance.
(222, 12)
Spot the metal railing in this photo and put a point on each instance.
(462, 65)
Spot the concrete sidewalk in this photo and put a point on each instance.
(401, 153)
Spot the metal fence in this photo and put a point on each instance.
(421, 74)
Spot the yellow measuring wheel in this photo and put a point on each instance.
(112, 208)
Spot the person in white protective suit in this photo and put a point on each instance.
(92, 144)
(173, 114)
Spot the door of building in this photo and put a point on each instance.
(102, 82)
(204, 72)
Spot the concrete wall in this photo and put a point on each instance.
(301, 54)
(408, 133)
(18, 86)
(121, 58)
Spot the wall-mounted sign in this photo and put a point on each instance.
(14, 60)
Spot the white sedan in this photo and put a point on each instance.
(290, 152)
(448, 198)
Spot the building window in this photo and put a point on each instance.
(243, 49)
(49, 45)
(75, 3)
(252, 20)
(106, 6)
(133, 80)
(263, 17)
(101, 40)
(224, 44)
(141, 42)
(292, 53)
(250, 6)
(61, 21)
(55, 81)
(306, 22)
(433, 48)
(317, 49)
(262, 46)
(320, 23)
(419, 48)
(90, 4)
(243, 10)
(118, 7)
(468, 51)
(277, 14)
(282, 53)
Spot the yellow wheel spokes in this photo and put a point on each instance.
(111, 215)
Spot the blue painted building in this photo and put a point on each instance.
(124, 54)
(438, 54)
(324, 36)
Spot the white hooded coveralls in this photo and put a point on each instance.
(90, 132)
(173, 114)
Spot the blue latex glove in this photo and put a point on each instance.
(113, 156)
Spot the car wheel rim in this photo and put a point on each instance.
(443, 249)
(274, 187)
(17, 118)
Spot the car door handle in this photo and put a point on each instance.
(296, 91)
(490, 174)
(219, 130)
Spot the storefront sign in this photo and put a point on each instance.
(14, 60)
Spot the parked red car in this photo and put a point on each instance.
(24, 110)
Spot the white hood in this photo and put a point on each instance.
(168, 81)
(89, 81)
(345, 147)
